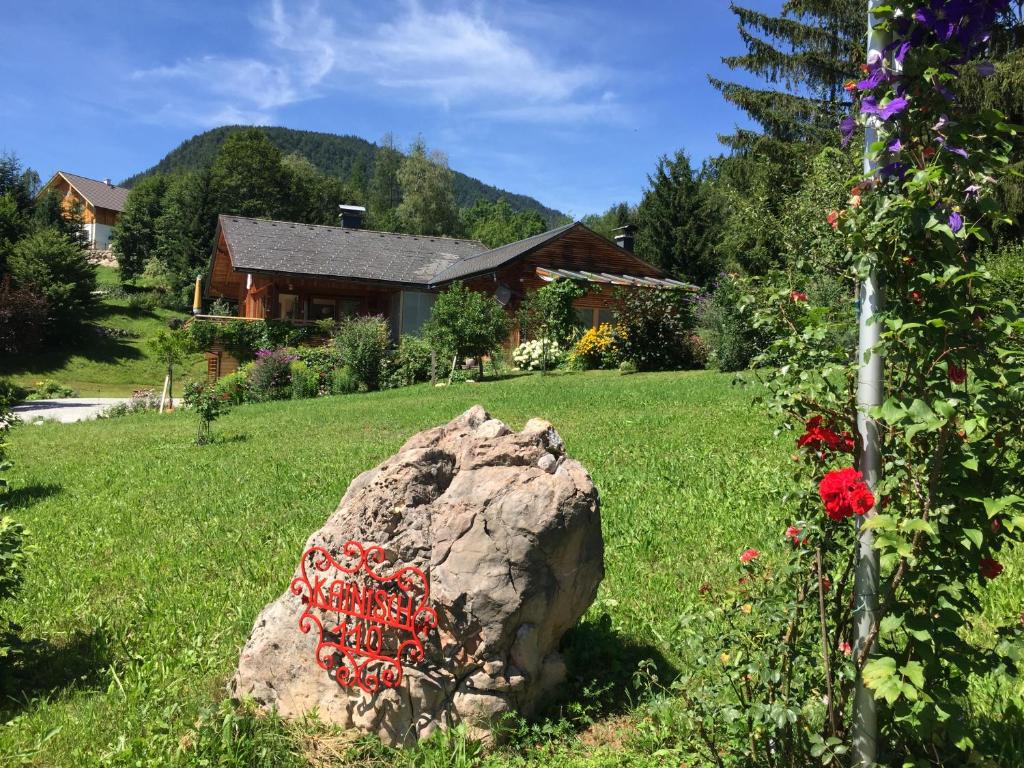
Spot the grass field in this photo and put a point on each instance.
(102, 366)
(154, 557)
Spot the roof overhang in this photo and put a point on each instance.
(550, 274)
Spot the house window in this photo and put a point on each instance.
(605, 316)
(288, 306)
(349, 307)
(416, 308)
(585, 316)
(322, 309)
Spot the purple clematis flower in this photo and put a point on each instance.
(895, 146)
(846, 128)
(873, 80)
(956, 150)
(956, 222)
(869, 106)
(972, 191)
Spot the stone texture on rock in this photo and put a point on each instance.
(507, 529)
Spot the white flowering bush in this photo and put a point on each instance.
(539, 354)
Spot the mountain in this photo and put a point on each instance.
(332, 154)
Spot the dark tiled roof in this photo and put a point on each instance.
(498, 257)
(99, 193)
(261, 245)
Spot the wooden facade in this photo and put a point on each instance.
(99, 202)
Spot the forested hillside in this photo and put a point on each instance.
(335, 155)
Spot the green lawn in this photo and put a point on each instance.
(154, 556)
(101, 366)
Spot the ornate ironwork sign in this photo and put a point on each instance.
(368, 623)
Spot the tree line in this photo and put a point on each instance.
(46, 280)
(761, 205)
(166, 231)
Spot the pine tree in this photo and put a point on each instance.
(804, 55)
(676, 228)
(185, 227)
(385, 193)
(134, 235)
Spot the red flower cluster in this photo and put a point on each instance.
(990, 568)
(957, 374)
(819, 438)
(845, 494)
(793, 534)
(749, 555)
(797, 296)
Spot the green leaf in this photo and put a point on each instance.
(914, 672)
(994, 506)
(890, 624)
(974, 536)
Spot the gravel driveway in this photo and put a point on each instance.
(65, 409)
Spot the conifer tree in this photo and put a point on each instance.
(676, 227)
(385, 193)
(804, 55)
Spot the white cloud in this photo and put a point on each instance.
(452, 58)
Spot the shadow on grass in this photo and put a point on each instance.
(1002, 739)
(25, 496)
(38, 667)
(89, 344)
(604, 673)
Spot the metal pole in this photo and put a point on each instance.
(869, 395)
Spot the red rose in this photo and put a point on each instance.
(990, 568)
(819, 438)
(915, 296)
(845, 494)
(957, 374)
(749, 555)
(797, 296)
(793, 534)
(833, 219)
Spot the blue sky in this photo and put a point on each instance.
(571, 102)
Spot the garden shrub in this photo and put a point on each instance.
(655, 327)
(549, 313)
(270, 375)
(13, 549)
(49, 389)
(322, 360)
(363, 344)
(142, 400)
(538, 355)
(208, 406)
(11, 393)
(305, 381)
(24, 315)
(234, 387)
(727, 325)
(409, 364)
(600, 347)
(54, 267)
(465, 323)
(343, 382)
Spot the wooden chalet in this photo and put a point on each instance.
(303, 272)
(102, 203)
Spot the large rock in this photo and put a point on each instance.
(507, 530)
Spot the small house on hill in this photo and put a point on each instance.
(101, 203)
(303, 272)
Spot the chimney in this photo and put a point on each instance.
(108, 182)
(352, 216)
(624, 237)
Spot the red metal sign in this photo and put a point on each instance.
(367, 623)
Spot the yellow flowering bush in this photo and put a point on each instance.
(600, 347)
